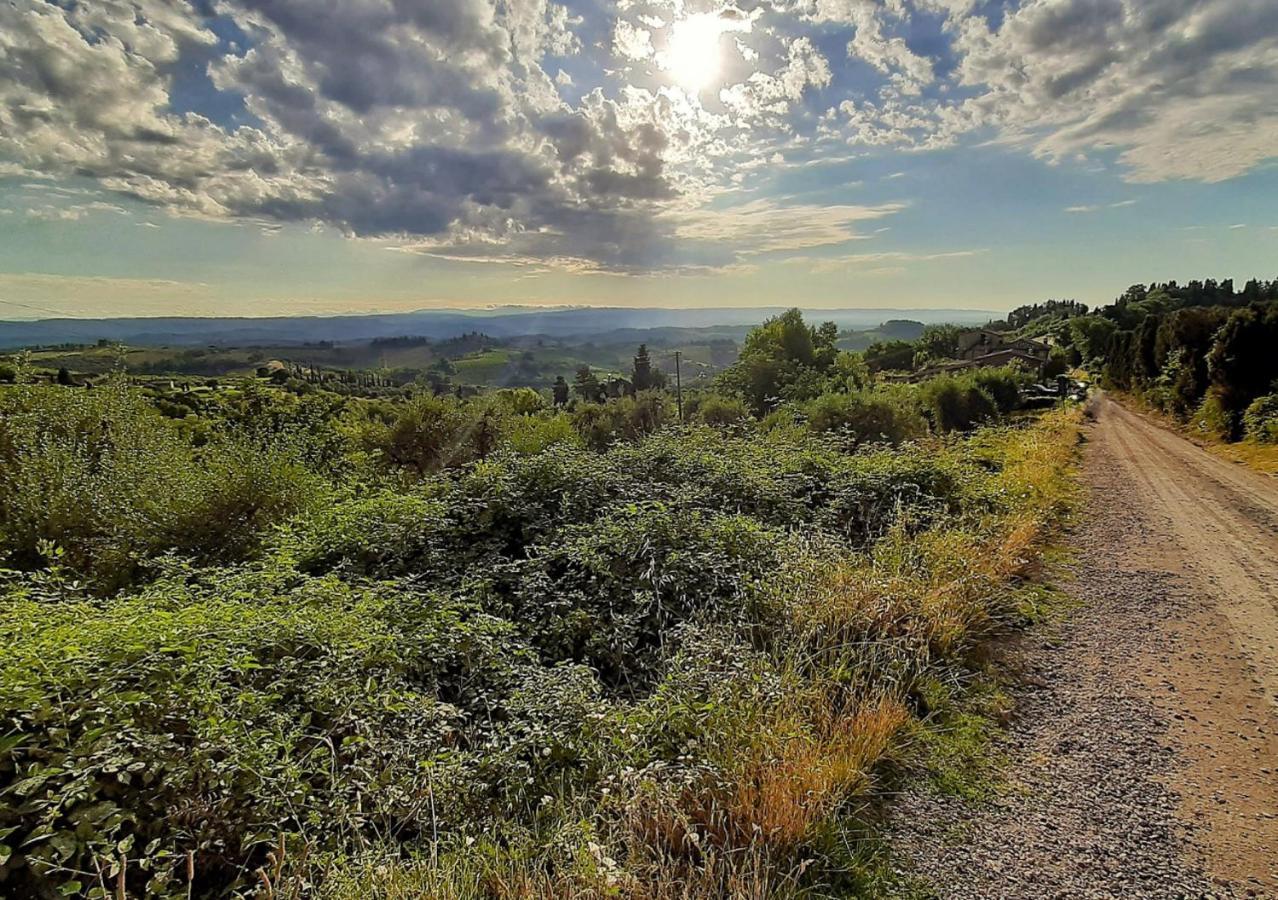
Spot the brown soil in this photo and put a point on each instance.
(1144, 758)
(1216, 672)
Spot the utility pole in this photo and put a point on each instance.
(678, 387)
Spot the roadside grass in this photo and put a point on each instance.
(1262, 458)
(957, 743)
(882, 678)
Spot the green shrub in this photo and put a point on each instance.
(214, 713)
(1002, 385)
(956, 404)
(381, 536)
(719, 411)
(531, 434)
(429, 433)
(520, 401)
(609, 594)
(107, 478)
(1260, 421)
(1213, 418)
(627, 419)
(863, 417)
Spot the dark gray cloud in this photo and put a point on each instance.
(447, 126)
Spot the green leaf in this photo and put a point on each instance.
(71, 887)
(64, 844)
(6, 852)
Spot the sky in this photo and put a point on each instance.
(268, 157)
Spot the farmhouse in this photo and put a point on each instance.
(980, 343)
(983, 349)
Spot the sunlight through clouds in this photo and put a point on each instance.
(597, 136)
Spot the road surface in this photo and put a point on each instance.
(1143, 762)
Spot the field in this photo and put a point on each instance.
(473, 360)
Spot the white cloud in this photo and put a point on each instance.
(764, 226)
(434, 125)
(1178, 88)
(630, 42)
(764, 95)
(1096, 207)
(875, 261)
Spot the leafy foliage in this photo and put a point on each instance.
(252, 639)
(1260, 421)
(103, 476)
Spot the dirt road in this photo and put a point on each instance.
(1144, 758)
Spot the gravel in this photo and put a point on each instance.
(1086, 811)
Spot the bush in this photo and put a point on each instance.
(381, 536)
(956, 404)
(430, 433)
(1213, 418)
(213, 714)
(533, 434)
(102, 475)
(626, 419)
(610, 593)
(1260, 421)
(535, 666)
(719, 411)
(1002, 385)
(863, 417)
(520, 401)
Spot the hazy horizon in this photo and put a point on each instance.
(531, 309)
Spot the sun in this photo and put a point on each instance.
(693, 56)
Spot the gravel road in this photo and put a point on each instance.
(1143, 758)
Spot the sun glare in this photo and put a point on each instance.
(693, 57)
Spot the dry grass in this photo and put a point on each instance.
(782, 792)
(1262, 458)
(858, 632)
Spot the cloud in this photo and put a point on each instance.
(764, 226)
(1096, 207)
(40, 295)
(632, 43)
(764, 95)
(1179, 89)
(875, 261)
(445, 127)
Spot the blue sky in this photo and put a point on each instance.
(254, 157)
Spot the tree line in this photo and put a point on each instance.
(1203, 351)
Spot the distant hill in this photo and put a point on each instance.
(503, 322)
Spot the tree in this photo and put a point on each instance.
(782, 359)
(560, 391)
(1242, 364)
(586, 385)
(641, 377)
(940, 341)
(889, 355)
(1184, 339)
(1091, 335)
(64, 376)
(1144, 349)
